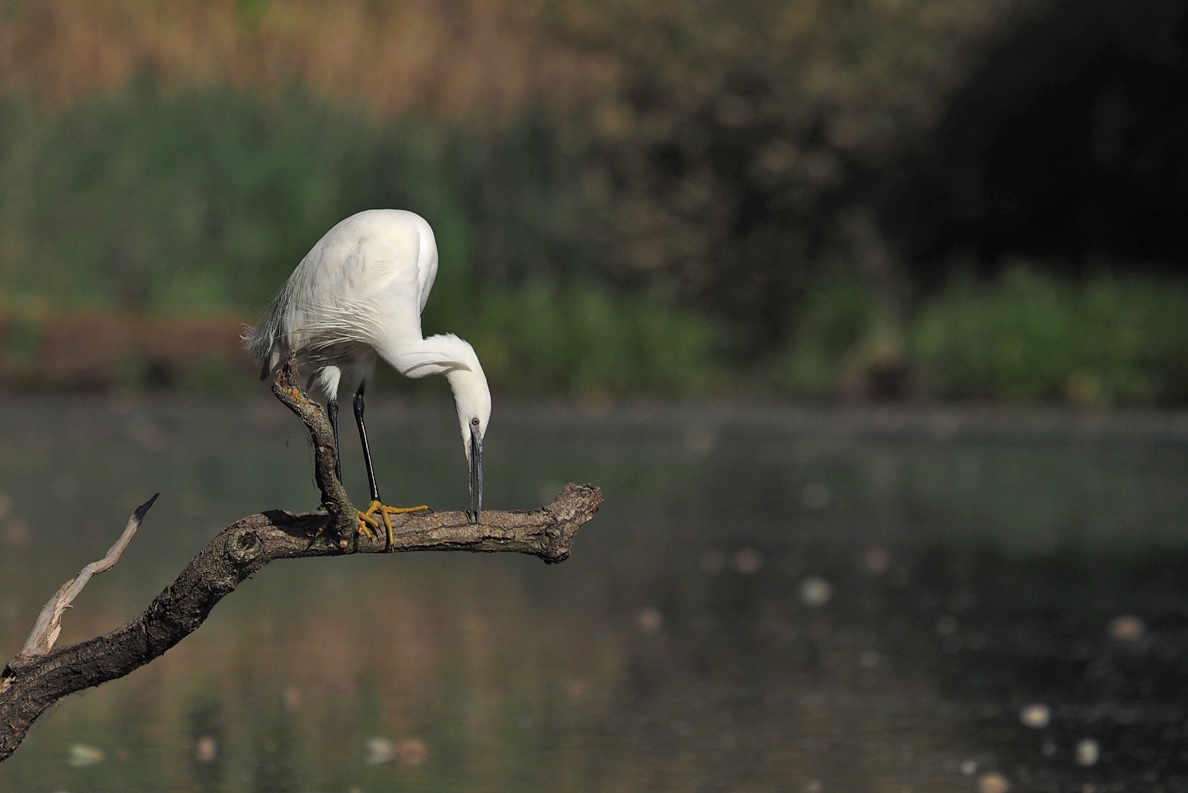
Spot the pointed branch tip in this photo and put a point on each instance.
(143, 509)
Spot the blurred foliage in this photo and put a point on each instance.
(205, 202)
(172, 204)
(1025, 336)
(463, 59)
(589, 341)
(715, 144)
(1114, 339)
(740, 135)
(838, 318)
(641, 195)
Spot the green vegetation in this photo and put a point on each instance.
(834, 326)
(591, 341)
(1024, 337)
(1029, 336)
(203, 202)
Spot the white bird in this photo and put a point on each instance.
(357, 294)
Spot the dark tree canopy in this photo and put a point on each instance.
(1067, 146)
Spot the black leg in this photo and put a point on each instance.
(363, 440)
(332, 414)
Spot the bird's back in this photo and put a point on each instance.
(366, 280)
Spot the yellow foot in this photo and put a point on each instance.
(383, 511)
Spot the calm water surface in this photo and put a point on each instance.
(883, 600)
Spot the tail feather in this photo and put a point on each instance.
(261, 340)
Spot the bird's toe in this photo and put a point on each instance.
(403, 510)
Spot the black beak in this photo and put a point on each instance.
(476, 473)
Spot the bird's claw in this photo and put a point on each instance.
(384, 512)
(364, 522)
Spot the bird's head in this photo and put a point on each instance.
(472, 398)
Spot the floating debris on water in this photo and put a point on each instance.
(412, 751)
(876, 561)
(1087, 752)
(16, 534)
(1127, 628)
(206, 749)
(379, 751)
(649, 620)
(82, 755)
(711, 562)
(815, 592)
(1036, 716)
(747, 561)
(993, 783)
(144, 431)
(577, 689)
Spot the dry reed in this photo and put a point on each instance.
(475, 59)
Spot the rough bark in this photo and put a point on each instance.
(32, 682)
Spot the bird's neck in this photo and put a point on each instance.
(416, 358)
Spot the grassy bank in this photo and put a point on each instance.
(1112, 340)
(1025, 337)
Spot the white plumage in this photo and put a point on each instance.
(357, 294)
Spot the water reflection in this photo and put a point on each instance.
(791, 601)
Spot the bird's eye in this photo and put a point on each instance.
(474, 421)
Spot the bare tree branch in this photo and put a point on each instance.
(49, 622)
(334, 496)
(40, 675)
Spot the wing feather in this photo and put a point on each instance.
(368, 277)
(426, 265)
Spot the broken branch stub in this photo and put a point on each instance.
(49, 622)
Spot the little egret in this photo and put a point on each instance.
(357, 294)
